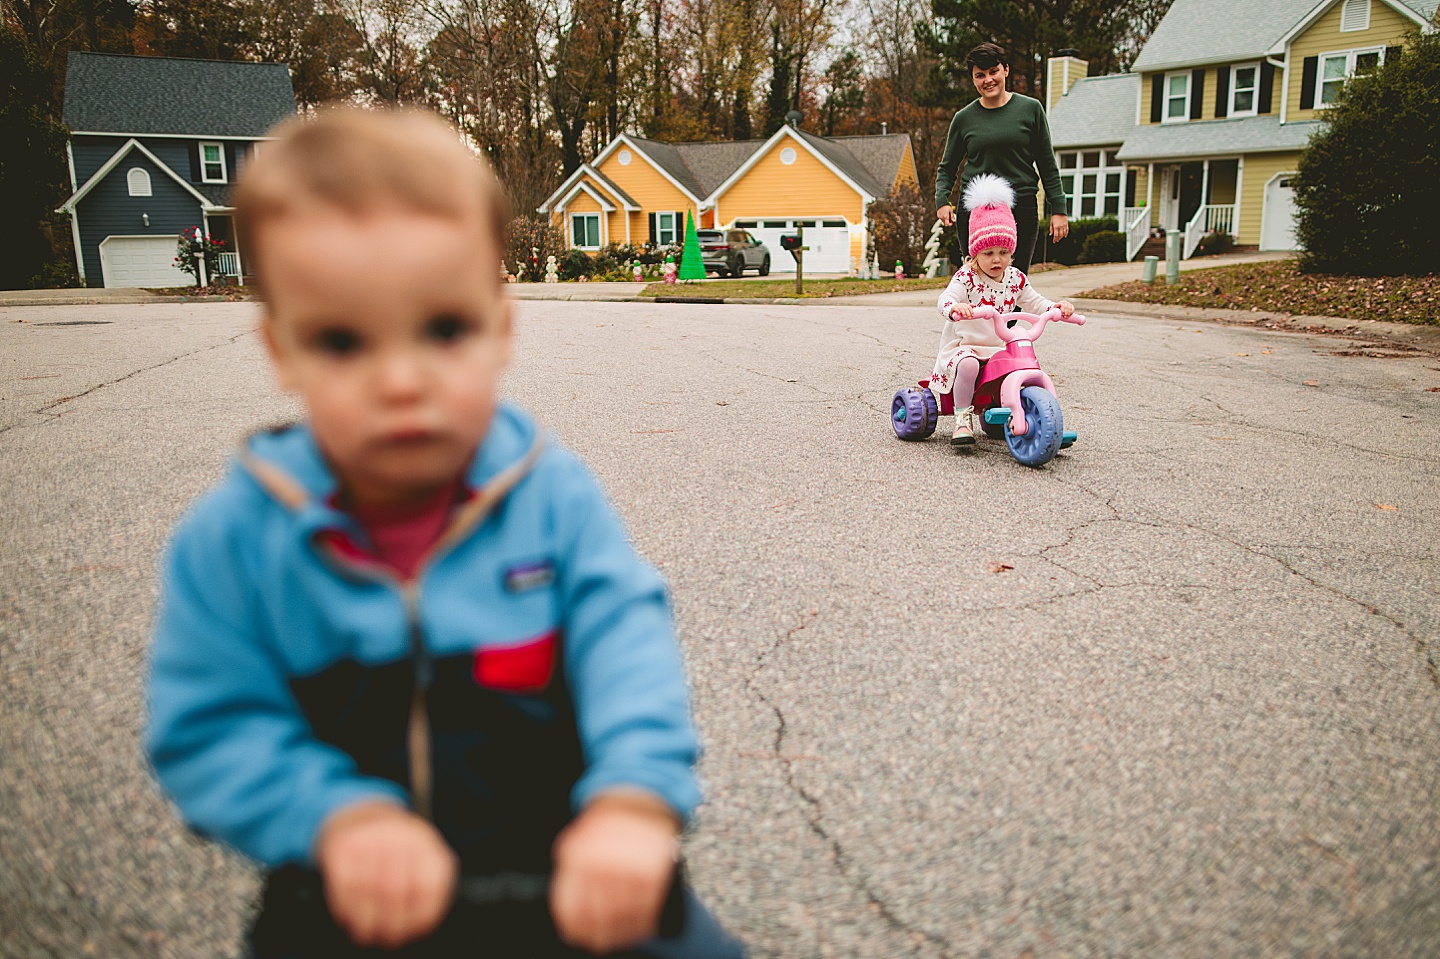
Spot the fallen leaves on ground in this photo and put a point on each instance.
(1385, 506)
(1000, 567)
(1278, 286)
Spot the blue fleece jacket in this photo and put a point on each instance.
(252, 602)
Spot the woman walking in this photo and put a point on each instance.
(1006, 134)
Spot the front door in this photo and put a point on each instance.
(1277, 217)
(1169, 198)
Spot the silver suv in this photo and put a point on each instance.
(732, 252)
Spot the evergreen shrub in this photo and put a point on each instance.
(1068, 250)
(1369, 180)
(1103, 246)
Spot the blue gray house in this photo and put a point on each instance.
(155, 145)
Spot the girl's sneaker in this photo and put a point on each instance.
(964, 434)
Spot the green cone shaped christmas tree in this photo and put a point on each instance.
(691, 266)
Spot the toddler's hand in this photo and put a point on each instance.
(613, 866)
(1067, 309)
(389, 876)
(961, 311)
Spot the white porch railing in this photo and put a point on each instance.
(229, 264)
(1211, 218)
(1136, 223)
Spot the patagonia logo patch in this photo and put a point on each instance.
(528, 576)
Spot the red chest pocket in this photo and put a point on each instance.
(523, 668)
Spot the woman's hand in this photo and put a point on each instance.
(961, 311)
(1059, 227)
(946, 214)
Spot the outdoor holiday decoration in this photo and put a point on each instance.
(933, 260)
(669, 270)
(691, 266)
(552, 271)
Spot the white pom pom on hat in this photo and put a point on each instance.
(988, 199)
(987, 189)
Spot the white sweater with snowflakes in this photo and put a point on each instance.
(962, 338)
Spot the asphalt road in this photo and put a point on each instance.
(1174, 695)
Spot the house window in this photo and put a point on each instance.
(1094, 185)
(212, 163)
(665, 231)
(585, 230)
(138, 180)
(1177, 98)
(1336, 68)
(1244, 80)
(1355, 15)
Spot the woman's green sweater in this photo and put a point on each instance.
(1010, 141)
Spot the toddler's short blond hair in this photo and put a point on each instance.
(364, 161)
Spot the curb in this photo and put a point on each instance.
(1425, 339)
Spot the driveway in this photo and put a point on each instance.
(1174, 695)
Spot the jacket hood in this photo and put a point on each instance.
(287, 463)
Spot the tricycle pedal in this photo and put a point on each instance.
(997, 415)
(1068, 438)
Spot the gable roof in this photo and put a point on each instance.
(1096, 111)
(838, 150)
(880, 155)
(1209, 31)
(1420, 11)
(109, 93)
(110, 164)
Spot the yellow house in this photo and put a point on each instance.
(637, 191)
(1205, 134)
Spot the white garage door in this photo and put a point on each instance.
(129, 261)
(1277, 219)
(828, 240)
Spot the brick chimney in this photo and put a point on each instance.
(1061, 72)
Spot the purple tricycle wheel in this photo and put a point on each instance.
(914, 413)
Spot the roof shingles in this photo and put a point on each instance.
(109, 93)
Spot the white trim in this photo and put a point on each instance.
(624, 139)
(69, 205)
(1349, 56)
(1285, 88)
(1284, 42)
(70, 161)
(1165, 99)
(583, 187)
(130, 182)
(570, 222)
(775, 138)
(162, 136)
(1240, 193)
(75, 239)
(582, 170)
(224, 166)
(1254, 91)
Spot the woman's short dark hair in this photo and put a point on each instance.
(986, 55)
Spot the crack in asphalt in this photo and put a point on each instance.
(1422, 646)
(1237, 420)
(45, 409)
(813, 811)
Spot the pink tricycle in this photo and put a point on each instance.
(1012, 389)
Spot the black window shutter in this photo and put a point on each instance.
(194, 163)
(654, 237)
(1222, 92)
(1307, 83)
(1197, 93)
(1157, 97)
(1267, 84)
(1391, 53)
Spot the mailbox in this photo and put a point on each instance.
(790, 242)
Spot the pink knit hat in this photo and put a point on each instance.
(989, 198)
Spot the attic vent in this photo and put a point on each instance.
(138, 181)
(1355, 15)
(787, 156)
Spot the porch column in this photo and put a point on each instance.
(1205, 194)
(1150, 194)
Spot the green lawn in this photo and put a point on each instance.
(775, 289)
(1278, 286)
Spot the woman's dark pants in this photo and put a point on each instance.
(1027, 227)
